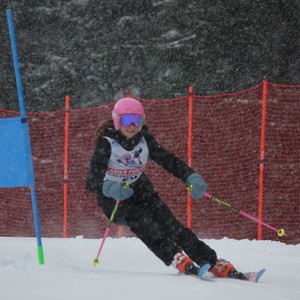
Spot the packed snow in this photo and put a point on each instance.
(129, 271)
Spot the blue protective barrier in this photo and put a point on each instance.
(15, 170)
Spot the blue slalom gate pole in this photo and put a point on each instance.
(29, 164)
(16, 62)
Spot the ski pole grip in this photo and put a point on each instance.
(125, 185)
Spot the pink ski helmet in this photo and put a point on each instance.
(126, 106)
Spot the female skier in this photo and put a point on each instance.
(122, 148)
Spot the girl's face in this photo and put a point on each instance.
(130, 131)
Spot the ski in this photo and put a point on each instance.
(254, 276)
(248, 276)
(200, 272)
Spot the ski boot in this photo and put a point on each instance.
(224, 268)
(181, 262)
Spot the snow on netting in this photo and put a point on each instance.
(226, 152)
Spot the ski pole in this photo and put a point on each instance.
(96, 260)
(280, 232)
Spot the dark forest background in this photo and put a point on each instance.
(96, 50)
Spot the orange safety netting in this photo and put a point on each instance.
(225, 141)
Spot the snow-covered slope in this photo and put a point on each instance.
(129, 271)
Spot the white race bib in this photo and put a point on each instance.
(126, 166)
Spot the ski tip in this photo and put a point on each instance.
(255, 276)
(259, 274)
(203, 269)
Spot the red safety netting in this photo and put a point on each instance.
(226, 141)
(226, 148)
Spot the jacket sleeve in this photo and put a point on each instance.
(168, 160)
(98, 166)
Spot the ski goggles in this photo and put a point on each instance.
(127, 120)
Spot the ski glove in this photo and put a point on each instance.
(196, 186)
(116, 190)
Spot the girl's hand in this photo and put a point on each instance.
(116, 190)
(196, 186)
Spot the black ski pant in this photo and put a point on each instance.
(149, 218)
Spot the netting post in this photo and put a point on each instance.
(190, 150)
(262, 156)
(120, 231)
(120, 227)
(128, 94)
(66, 165)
